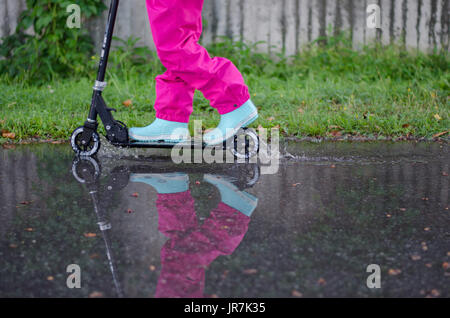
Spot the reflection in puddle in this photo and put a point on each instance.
(192, 246)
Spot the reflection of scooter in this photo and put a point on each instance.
(85, 140)
(87, 171)
(220, 234)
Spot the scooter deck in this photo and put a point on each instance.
(162, 144)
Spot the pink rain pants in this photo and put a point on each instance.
(176, 27)
(191, 246)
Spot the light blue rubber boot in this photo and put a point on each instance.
(161, 130)
(164, 183)
(232, 196)
(231, 123)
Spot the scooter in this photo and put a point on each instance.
(85, 140)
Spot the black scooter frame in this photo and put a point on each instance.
(117, 132)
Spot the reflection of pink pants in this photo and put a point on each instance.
(192, 247)
(176, 27)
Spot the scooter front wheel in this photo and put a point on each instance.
(84, 149)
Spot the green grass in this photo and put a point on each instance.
(328, 91)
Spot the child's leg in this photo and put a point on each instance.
(174, 98)
(176, 28)
(173, 106)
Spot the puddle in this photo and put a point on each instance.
(139, 226)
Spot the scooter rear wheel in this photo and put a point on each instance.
(246, 144)
(88, 149)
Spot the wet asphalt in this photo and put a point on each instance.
(137, 225)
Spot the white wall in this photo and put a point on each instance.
(286, 24)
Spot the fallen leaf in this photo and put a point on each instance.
(394, 272)
(435, 293)
(437, 117)
(90, 235)
(336, 133)
(8, 135)
(135, 195)
(127, 103)
(50, 278)
(296, 293)
(95, 294)
(29, 229)
(321, 281)
(250, 271)
(441, 134)
(405, 125)
(428, 265)
(445, 265)
(415, 257)
(94, 256)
